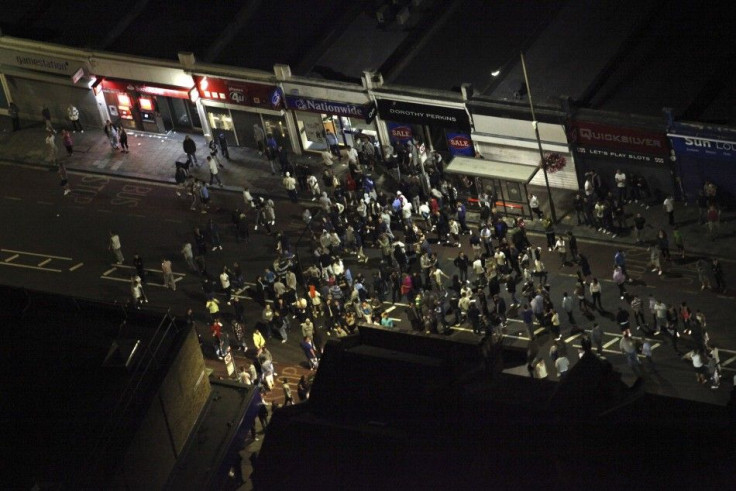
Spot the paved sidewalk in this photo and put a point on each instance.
(152, 158)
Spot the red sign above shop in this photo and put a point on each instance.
(240, 93)
(143, 88)
(595, 135)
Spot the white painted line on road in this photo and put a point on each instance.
(729, 361)
(128, 281)
(104, 211)
(44, 262)
(390, 309)
(395, 319)
(109, 271)
(541, 329)
(31, 267)
(573, 337)
(12, 258)
(655, 346)
(613, 341)
(12, 198)
(37, 255)
(76, 266)
(398, 303)
(178, 279)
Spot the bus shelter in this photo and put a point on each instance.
(502, 184)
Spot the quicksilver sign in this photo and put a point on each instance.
(594, 136)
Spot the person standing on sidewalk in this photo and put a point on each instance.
(66, 138)
(112, 134)
(190, 148)
(260, 137)
(332, 143)
(116, 247)
(169, 281)
(46, 114)
(73, 115)
(214, 172)
(534, 205)
(188, 254)
(669, 208)
(14, 114)
(123, 137)
(222, 141)
(639, 222)
(52, 151)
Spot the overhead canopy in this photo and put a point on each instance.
(508, 171)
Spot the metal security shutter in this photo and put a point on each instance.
(29, 95)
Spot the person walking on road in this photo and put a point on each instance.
(64, 179)
(595, 294)
(66, 138)
(290, 186)
(188, 254)
(225, 284)
(46, 114)
(136, 290)
(214, 232)
(140, 269)
(116, 247)
(73, 114)
(214, 172)
(169, 281)
(596, 337)
(190, 148)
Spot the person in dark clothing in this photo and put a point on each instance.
(190, 148)
(14, 114)
(223, 145)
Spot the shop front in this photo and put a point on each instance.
(511, 139)
(348, 121)
(144, 106)
(705, 154)
(638, 152)
(33, 80)
(445, 129)
(233, 107)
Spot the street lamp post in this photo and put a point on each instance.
(539, 141)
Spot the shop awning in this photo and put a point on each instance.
(494, 169)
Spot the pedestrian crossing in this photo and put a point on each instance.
(39, 262)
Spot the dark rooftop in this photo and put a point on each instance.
(65, 409)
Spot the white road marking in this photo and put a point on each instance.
(613, 341)
(76, 266)
(44, 262)
(37, 255)
(109, 271)
(729, 361)
(390, 309)
(12, 258)
(573, 337)
(31, 267)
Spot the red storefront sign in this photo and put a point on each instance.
(595, 135)
(240, 93)
(143, 88)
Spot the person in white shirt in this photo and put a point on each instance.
(669, 208)
(116, 248)
(73, 115)
(561, 249)
(534, 205)
(214, 172)
(313, 184)
(352, 155)
(620, 178)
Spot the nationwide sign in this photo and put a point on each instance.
(409, 112)
(364, 111)
(703, 147)
(619, 143)
(240, 93)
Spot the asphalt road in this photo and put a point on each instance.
(55, 243)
